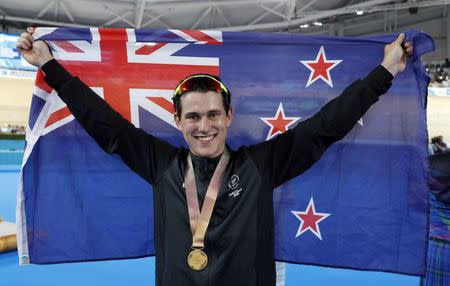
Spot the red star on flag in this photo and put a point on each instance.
(279, 123)
(310, 220)
(320, 68)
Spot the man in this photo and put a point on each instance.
(446, 63)
(205, 235)
(439, 145)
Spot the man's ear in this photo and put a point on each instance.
(177, 121)
(230, 116)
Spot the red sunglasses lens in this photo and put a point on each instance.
(205, 82)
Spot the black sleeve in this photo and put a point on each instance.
(296, 150)
(146, 155)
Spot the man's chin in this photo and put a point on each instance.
(205, 153)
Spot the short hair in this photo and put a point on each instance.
(201, 86)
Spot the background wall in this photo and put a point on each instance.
(15, 100)
(438, 113)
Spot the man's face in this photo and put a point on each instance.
(204, 122)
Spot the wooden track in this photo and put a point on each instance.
(8, 240)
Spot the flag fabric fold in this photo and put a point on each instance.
(362, 206)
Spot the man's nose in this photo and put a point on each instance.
(204, 124)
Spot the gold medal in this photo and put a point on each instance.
(197, 259)
(199, 220)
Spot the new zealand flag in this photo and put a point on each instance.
(362, 206)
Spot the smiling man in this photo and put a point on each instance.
(213, 206)
(204, 116)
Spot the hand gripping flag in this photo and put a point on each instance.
(362, 206)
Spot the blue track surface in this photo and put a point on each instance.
(141, 271)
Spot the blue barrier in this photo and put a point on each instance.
(11, 152)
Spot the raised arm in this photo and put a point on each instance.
(296, 150)
(145, 154)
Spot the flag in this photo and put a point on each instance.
(362, 206)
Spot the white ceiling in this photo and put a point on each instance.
(225, 15)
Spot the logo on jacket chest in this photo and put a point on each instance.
(234, 186)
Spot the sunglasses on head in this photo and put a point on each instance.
(208, 81)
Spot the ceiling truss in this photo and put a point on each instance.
(271, 15)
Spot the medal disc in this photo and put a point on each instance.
(197, 259)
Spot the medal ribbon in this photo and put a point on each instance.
(199, 220)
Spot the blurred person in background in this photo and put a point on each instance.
(439, 146)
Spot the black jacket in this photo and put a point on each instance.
(239, 241)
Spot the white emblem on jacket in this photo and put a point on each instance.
(233, 185)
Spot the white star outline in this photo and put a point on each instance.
(279, 110)
(310, 205)
(306, 64)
